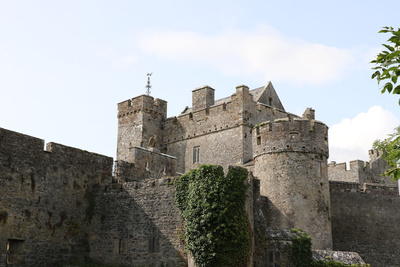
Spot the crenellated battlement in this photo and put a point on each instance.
(143, 103)
(360, 171)
(291, 134)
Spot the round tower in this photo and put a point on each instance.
(290, 159)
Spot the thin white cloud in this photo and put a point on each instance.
(352, 138)
(262, 53)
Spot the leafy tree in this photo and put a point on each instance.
(390, 148)
(388, 63)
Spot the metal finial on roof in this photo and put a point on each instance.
(148, 86)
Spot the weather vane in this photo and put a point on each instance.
(148, 86)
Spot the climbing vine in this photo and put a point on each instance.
(301, 249)
(301, 253)
(213, 207)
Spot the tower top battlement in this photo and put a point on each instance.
(291, 134)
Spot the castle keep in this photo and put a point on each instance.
(63, 204)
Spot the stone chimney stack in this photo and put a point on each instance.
(202, 97)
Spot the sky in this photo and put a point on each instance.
(64, 65)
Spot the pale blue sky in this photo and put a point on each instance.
(64, 65)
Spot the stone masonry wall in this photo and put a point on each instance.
(145, 163)
(365, 219)
(290, 160)
(361, 171)
(45, 200)
(225, 127)
(138, 224)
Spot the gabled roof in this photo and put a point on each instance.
(265, 95)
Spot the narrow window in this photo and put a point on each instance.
(120, 246)
(154, 245)
(257, 130)
(319, 169)
(191, 115)
(259, 140)
(270, 101)
(196, 154)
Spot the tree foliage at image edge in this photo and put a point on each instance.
(213, 207)
(390, 149)
(388, 62)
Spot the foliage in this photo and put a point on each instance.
(213, 207)
(390, 148)
(301, 253)
(388, 62)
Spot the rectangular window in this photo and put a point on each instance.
(259, 140)
(154, 245)
(319, 169)
(196, 154)
(15, 249)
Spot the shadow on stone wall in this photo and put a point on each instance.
(137, 224)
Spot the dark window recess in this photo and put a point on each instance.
(259, 140)
(154, 245)
(15, 249)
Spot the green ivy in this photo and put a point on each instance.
(213, 207)
(301, 253)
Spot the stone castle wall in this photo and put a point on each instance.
(221, 131)
(138, 224)
(366, 220)
(361, 171)
(45, 199)
(290, 160)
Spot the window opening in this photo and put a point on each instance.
(15, 249)
(154, 245)
(259, 140)
(319, 169)
(196, 154)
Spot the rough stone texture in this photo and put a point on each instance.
(138, 224)
(366, 221)
(60, 205)
(361, 171)
(145, 163)
(203, 97)
(221, 131)
(345, 257)
(291, 162)
(272, 247)
(139, 119)
(43, 196)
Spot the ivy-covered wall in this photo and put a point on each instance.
(217, 230)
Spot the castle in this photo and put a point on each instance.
(64, 204)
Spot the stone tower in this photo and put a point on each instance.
(290, 159)
(140, 124)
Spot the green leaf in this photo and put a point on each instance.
(388, 47)
(388, 86)
(394, 81)
(376, 73)
(396, 90)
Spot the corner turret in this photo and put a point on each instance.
(140, 124)
(290, 159)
